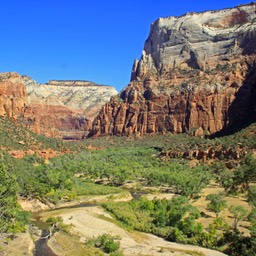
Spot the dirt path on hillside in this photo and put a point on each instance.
(92, 221)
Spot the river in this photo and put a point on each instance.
(41, 246)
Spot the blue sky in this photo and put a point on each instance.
(83, 40)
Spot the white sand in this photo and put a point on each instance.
(93, 221)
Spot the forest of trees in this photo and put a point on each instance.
(74, 174)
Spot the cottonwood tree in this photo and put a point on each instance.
(217, 203)
(252, 196)
(246, 173)
(12, 218)
(239, 213)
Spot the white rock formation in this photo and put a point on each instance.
(82, 96)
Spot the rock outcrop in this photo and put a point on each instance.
(13, 95)
(197, 71)
(210, 153)
(64, 108)
(58, 109)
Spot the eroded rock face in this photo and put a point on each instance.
(64, 108)
(196, 71)
(57, 109)
(220, 153)
(13, 95)
(84, 97)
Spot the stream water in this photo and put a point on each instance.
(41, 247)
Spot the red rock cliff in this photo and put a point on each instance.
(197, 70)
(13, 95)
(64, 108)
(57, 109)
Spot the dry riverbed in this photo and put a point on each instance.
(91, 221)
(94, 221)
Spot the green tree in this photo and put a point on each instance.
(245, 173)
(107, 243)
(239, 213)
(225, 179)
(253, 235)
(252, 196)
(252, 219)
(216, 229)
(217, 203)
(188, 182)
(183, 216)
(12, 218)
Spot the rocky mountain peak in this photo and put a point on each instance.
(57, 109)
(83, 83)
(196, 71)
(197, 41)
(83, 96)
(64, 107)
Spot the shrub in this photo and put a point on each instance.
(106, 243)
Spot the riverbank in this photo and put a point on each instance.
(22, 244)
(87, 220)
(92, 221)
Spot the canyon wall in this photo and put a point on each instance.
(197, 72)
(62, 109)
(13, 95)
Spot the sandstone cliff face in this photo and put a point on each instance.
(197, 71)
(12, 95)
(57, 109)
(64, 108)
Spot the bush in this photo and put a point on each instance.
(106, 243)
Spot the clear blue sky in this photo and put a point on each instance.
(83, 40)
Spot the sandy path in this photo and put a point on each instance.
(93, 221)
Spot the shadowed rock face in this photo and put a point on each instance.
(196, 71)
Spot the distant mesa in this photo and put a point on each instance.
(58, 109)
(65, 108)
(75, 83)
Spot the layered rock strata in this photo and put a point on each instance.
(13, 96)
(196, 72)
(57, 109)
(64, 108)
(210, 153)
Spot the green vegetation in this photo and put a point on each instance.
(239, 213)
(245, 173)
(12, 218)
(217, 203)
(252, 196)
(140, 162)
(174, 220)
(14, 136)
(107, 243)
